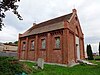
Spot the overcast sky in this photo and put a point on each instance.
(41, 10)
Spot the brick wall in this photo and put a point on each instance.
(67, 51)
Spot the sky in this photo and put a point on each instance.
(37, 11)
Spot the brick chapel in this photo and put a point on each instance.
(59, 40)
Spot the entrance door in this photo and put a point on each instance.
(78, 48)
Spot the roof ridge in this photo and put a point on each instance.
(49, 22)
(39, 24)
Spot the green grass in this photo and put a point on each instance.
(7, 67)
(30, 64)
(82, 69)
(96, 57)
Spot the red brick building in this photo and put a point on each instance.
(59, 40)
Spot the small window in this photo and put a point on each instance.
(24, 46)
(32, 45)
(57, 42)
(43, 43)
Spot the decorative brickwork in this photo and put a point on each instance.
(54, 40)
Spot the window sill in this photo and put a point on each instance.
(57, 49)
(23, 50)
(32, 49)
(42, 49)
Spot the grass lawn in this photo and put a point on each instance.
(97, 57)
(82, 69)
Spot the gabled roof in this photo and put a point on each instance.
(53, 24)
(55, 20)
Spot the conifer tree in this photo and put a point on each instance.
(99, 48)
(89, 52)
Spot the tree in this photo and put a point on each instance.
(10, 43)
(99, 48)
(16, 42)
(89, 52)
(6, 5)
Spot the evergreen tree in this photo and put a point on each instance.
(99, 48)
(89, 52)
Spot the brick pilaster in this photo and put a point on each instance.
(19, 47)
(65, 47)
(36, 48)
(27, 46)
(48, 52)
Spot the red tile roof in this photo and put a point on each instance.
(46, 26)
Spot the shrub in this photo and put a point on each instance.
(10, 66)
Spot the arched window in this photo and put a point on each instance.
(32, 45)
(57, 42)
(43, 41)
(24, 46)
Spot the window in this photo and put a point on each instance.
(43, 44)
(24, 46)
(57, 42)
(32, 45)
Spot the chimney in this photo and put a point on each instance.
(34, 24)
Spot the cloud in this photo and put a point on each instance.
(93, 40)
(8, 34)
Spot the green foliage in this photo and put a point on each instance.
(16, 42)
(12, 43)
(10, 66)
(89, 52)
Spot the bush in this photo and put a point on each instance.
(10, 66)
